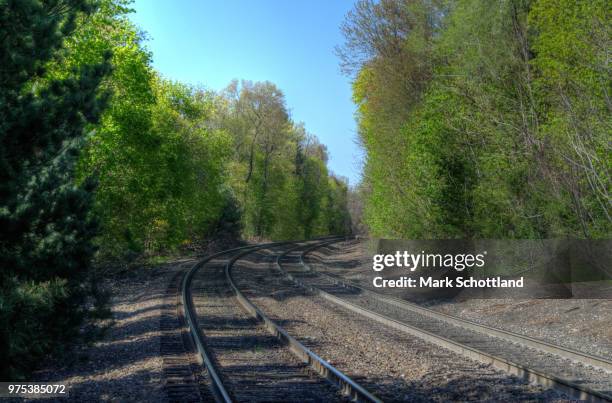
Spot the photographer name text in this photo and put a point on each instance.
(457, 282)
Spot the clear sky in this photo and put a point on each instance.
(211, 42)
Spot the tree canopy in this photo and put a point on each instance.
(485, 119)
(102, 157)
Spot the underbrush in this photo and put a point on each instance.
(42, 318)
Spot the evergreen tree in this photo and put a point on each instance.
(46, 229)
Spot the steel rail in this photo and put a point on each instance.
(347, 385)
(561, 351)
(573, 390)
(219, 391)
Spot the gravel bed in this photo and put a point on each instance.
(125, 365)
(253, 364)
(580, 324)
(393, 365)
(544, 362)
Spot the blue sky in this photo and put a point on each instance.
(287, 42)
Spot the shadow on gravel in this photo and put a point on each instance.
(117, 367)
(138, 327)
(143, 299)
(214, 322)
(129, 387)
(127, 315)
(89, 366)
(259, 343)
(464, 388)
(437, 388)
(338, 263)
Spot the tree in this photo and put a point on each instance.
(278, 170)
(260, 125)
(482, 118)
(45, 242)
(158, 164)
(573, 81)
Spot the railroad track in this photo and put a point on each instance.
(182, 381)
(247, 356)
(578, 375)
(389, 363)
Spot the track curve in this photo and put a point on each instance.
(588, 379)
(248, 356)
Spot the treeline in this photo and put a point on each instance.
(487, 119)
(176, 163)
(101, 156)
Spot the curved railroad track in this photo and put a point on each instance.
(182, 380)
(247, 356)
(387, 362)
(579, 375)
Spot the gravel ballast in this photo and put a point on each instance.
(580, 324)
(125, 365)
(391, 364)
(253, 364)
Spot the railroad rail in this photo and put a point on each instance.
(181, 382)
(565, 352)
(540, 362)
(208, 346)
(218, 389)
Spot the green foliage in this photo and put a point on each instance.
(175, 163)
(35, 315)
(159, 168)
(573, 82)
(503, 130)
(278, 171)
(98, 152)
(162, 187)
(45, 242)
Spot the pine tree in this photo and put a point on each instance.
(45, 225)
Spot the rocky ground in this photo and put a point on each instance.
(389, 363)
(581, 324)
(125, 365)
